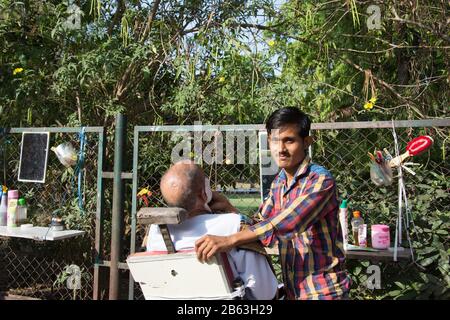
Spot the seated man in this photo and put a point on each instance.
(183, 185)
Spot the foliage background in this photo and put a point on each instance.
(233, 62)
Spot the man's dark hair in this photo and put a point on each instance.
(289, 115)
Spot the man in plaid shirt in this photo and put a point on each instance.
(300, 214)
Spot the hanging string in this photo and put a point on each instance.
(402, 199)
(398, 226)
(79, 170)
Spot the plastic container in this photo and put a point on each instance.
(21, 212)
(343, 218)
(13, 197)
(362, 235)
(4, 209)
(356, 222)
(381, 238)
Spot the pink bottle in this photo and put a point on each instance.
(381, 238)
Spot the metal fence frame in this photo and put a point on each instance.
(100, 201)
(259, 127)
(100, 131)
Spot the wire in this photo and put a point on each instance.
(79, 168)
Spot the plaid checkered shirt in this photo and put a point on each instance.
(303, 219)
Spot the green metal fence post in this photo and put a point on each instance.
(134, 206)
(117, 206)
(99, 214)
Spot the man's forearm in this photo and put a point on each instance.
(244, 236)
(209, 245)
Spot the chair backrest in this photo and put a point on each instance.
(179, 275)
(162, 217)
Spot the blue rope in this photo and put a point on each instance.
(79, 168)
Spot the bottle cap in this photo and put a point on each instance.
(356, 214)
(22, 202)
(343, 204)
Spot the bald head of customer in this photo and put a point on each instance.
(183, 186)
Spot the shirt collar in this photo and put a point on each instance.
(302, 169)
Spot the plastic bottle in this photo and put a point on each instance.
(362, 235)
(21, 212)
(343, 219)
(356, 222)
(3, 209)
(13, 197)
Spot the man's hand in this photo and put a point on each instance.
(209, 245)
(220, 203)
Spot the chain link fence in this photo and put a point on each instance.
(343, 151)
(44, 269)
(61, 269)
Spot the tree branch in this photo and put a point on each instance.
(150, 19)
(117, 16)
(418, 24)
(387, 86)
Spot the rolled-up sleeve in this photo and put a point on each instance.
(301, 213)
(267, 239)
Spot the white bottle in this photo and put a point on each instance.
(343, 219)
(13, 197)
(4, 209)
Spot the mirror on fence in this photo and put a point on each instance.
(33, 156)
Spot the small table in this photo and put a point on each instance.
(386, 255)
(39, 233)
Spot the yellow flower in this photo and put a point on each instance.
(222, 79)
(4, 188)
(373, 100)
(271, 43)
(17, 70)
(368, 105)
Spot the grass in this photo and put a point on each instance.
(247, 204)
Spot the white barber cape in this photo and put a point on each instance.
(250, 266)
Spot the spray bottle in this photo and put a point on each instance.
(343, 218)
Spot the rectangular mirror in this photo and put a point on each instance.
(33, 156)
